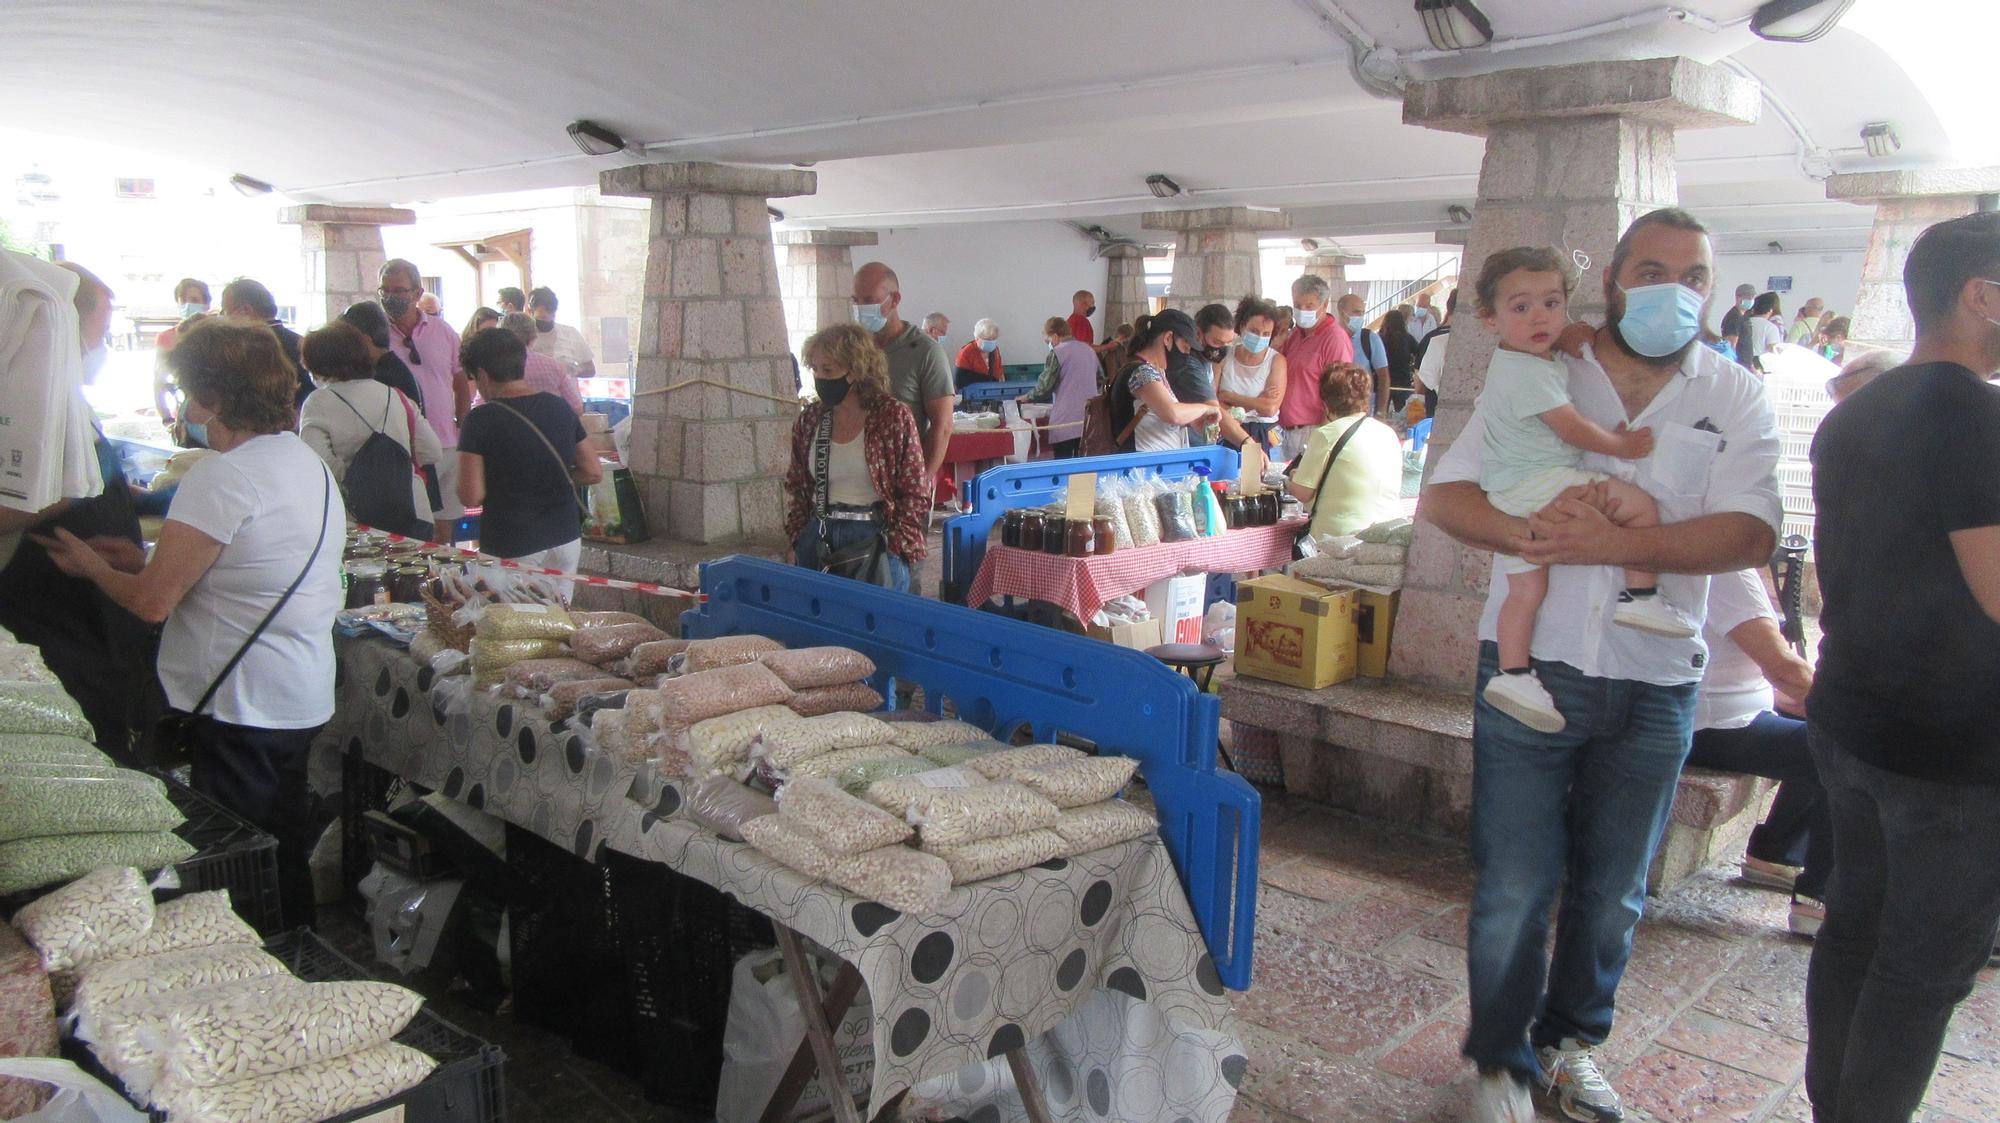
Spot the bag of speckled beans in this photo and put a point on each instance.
(856, 697)
(40, 707)
(705, 694)
(840, 823)
(727, 651)
(603, 646)
(807, 667)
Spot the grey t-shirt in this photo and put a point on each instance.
(918, 372)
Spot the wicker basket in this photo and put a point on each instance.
(439, 613)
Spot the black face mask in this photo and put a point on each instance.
(1090, 311)
(545, 326)
(1215, 354)
(395, 306)
(831, 391)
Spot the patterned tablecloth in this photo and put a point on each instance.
(1102, 948)
(1080, 586)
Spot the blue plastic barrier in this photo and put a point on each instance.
(996, 391)
(1042, 482)
(613, 409)
(1003, 675)
(1420, 433)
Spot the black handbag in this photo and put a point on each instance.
(174, 733)
(1302, 546)
(863, 561)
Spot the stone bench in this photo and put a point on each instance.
(1403, 754)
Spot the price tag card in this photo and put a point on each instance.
(1254, 463)
(1081, 502)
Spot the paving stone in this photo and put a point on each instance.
(1337, 1089)
(1676, 1088)
(1431, 1056)
(1765, 989)
(1336, 1001)
(1680, 961)
(1641, 1014)
(1448, 926)
(1966, 1089)
(1795, 1107)
(1310, 879)
(1364, 925)
(1431, 957)
(1975, 1028)
(1752, 1050)
(1280, 912)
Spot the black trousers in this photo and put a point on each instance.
(261, 775)
(1064, 450)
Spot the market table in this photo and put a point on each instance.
(1103, 948)
(1080, 586)
(967, 451)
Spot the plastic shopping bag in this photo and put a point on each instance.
(765, 1030)
(79, 1098)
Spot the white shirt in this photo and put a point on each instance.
(1422, 322)
(847, 474)
(1715, 450)
(1763, 335)
(340, 416)
(1733, 688)
(1430, 372)
(263, 501)
(1248, 380)
(566, 344)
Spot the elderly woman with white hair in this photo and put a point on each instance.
(979, 360)
(1860, 371)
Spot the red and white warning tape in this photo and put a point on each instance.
(580, 578)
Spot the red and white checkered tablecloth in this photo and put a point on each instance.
(1080, 586)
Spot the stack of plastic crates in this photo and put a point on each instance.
(1800, 405)
(363, 788)
(230, 854)
(567, 977)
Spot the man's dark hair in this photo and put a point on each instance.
(515, 297)
(1765, 304)
(1671, 217)
(496, 352)
(1214, 316)
(1944, 259)
(371, 319)
(542, 297)
(250, 294)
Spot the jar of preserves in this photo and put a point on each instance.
(1267, 509)
(406, 583)
(1104, 536)
(1032, 528)
(1010, 527)
(1082, 538)
(367, 584)
(1055, 534)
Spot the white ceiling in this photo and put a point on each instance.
(924, 111)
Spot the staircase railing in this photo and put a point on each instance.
(1376, 310)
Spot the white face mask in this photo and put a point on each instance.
(94, 359)
(1305, 319)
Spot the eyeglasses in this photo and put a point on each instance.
(398, 291)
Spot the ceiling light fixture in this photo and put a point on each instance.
(1309, 244)
(776, 214)
(249, 188)
(594, 139)
(1797, 21)
(1458, 215)
(1162, 187)
(1455, 25)
(1775, 247)
(1880, 138)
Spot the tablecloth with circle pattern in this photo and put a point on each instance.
(1101, 948)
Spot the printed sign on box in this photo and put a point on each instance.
(1176, 602)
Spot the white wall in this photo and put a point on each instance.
(1833, 277)
(1017, 273)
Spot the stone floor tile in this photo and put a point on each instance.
(1765, 989)
(1338, 1002)
(1309, 879)
(1339, 1090)
(1678, 960)
(1431, 957)
(1251, 1111)
(1966, 1089)
(1448, 926)
(1273, 1054)
(1641, 1014)
(1758, 1052)
(1431, 1056)
(1280, 912)
(1675, 1088)
(1362, 926)
(1794, 1108)
(1975, 1028)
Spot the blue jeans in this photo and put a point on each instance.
(891, 572)
(1580, 811)
(1910, 917)
(1799, 829)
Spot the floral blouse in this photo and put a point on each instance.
(896, 467)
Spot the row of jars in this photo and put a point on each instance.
(376, 573)
(1052, 532)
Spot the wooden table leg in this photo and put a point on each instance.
(846, 986)
(819, 1035)
(1029, 1087)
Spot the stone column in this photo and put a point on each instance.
(1573, 155)
(1905, 203)
(1125, 297)
(818, 278)
(1330, 266)
(710, 457)
(341, 248)
(1216, 260)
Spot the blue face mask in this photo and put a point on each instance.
(1659, 320)
(1745, 304)
(197, 432)
(191, 309)
(987, 345)
(1354, 323)
(870, 316)
(1255, 344)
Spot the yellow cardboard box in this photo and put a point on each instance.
(1374, 623)
(1295, 632)
(1139, 636)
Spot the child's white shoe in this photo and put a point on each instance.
(1523, 698)
(1653, 615)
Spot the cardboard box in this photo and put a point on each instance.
(1139, 636)
(1374, 623)
(1295, 632)
(1177, 603)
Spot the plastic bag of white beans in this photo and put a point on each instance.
(248, 1035)
(840, 823)
(320, 1090)
(102, 985)
(956, 816)
(1099, 825)
(991, 857)
(1074, 783)
(86, 918)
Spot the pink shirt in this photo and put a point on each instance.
(431, 351)
(1307, 355)
(550, 376)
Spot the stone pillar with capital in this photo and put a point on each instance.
(1573, 155)
(1216, 259)
(1332, 267)
(1906, 202)
(341, 250)
(710, 456)
(819, 278)
(1124, 287)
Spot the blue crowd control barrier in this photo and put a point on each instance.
(1420, 434)
(1041, 482)
(1003, 675)
(997, 391)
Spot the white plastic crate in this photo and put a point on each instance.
(1797, 447)
(1792, 474)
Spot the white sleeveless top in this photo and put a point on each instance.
(1247, 381)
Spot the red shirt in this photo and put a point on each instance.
(1079, 326)
(971, 358)
(1307, 355)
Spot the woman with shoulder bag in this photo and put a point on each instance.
(381, 480)
(521, 456)
(1350, 475)
(246, 577)
(858, 492)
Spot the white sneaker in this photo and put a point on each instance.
(1523, 698)
(1572, 1079)
(1653, 614)
(1499, 1098)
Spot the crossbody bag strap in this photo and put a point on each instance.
(1331, 456)
(547, 444)
(342, 399)
(822, 454)
(325, 512)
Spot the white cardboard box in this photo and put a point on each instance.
(1177, 603)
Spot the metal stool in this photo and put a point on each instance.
(1198, 662)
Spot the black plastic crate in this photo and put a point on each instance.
(566, 974)
(363, 788)
(231, 854)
